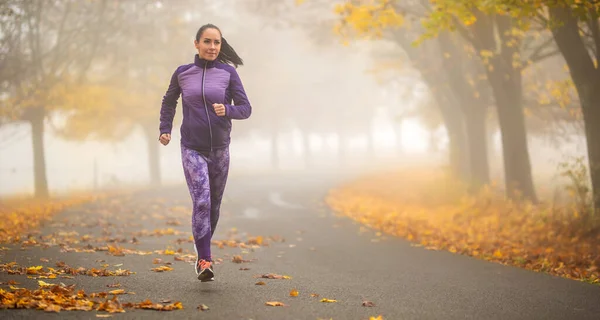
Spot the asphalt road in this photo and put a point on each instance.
(323, 254)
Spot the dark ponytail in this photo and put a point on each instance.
(227, 53)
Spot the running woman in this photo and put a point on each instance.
(212, 95)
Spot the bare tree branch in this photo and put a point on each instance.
(539, 49)
(59, 46)
(541, 56)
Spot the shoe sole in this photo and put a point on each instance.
(206, 276)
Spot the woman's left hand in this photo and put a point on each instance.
(219, 109)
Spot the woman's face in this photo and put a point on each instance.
(209, 44)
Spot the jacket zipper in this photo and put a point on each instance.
(206, 108)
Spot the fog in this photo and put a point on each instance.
(313, 95)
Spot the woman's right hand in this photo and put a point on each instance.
(165, 138)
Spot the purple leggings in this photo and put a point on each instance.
(206, 178)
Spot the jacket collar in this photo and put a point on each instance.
(203, 62)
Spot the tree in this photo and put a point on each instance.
(576, 31)
(325, 108)
(134, 77)
(497, 39)
(450, 88)
(566, 21)
(48, 48)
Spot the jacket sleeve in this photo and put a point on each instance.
(241, 108)
(169, 103)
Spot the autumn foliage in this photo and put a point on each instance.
(433, 210)
(18, 217)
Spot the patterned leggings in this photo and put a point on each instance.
(206, 178)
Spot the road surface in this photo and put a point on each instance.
(324, 255)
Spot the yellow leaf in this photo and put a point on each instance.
(486, 53)
(118, 291)
(275, 304)
(294, 293)
(162, 269)
(328, 300)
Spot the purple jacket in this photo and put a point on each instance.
(201, 84)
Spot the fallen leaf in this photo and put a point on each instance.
(239, 259)
(115, 251)
(368, 304)
(104, 315)
(275, 304)
(161, 269)
(274, 276)
(294, 293)
(314, 294)
(328, 300)
(173, 223)
(260, 283)
(118, 291)
(202, 307)
(53, 308)
(112, 306)
(158, 260)
(114, 285)
(147, 304)
(44, 260)
(259, 240)
(43, 284)
(244, 269)
(34, 270)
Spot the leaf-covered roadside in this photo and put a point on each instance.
(432, 210)
(18, 217)
(54, 298)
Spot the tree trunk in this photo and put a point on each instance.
(454, 123)
(506, 84)
(478, 153)
(472, 108)
(446, 101)
(586, 77)
(492, 34)
(36, 117)
(591, 102)
(153, 155)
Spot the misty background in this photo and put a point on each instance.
(318, 105)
